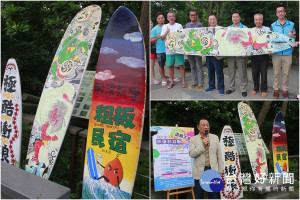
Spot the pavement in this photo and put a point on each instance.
(159, 92)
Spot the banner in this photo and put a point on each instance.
(172, 163)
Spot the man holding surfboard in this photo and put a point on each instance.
(206, 151)
(260, 63)
(215, 65)
(283, 59)
(195, 61)
(240, 62)
(170, 56)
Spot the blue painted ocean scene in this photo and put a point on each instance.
(99, 189)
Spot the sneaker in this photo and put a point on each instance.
(276, 94)
(209, 89)
(229, 92)
(286, 94)
(221, 92)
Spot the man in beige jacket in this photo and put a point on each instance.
(206, 151)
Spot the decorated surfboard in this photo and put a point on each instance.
(253, 141)
(60, 91)
(11, 114)
(221, 41)
(280, 148)
(232, 171)
(117, 111)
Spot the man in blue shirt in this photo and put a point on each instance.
(283, 59)
(160, 46)
(240, 62)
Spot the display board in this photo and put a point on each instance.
(82, 106)
(172, 163)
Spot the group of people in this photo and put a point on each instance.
(282, 61)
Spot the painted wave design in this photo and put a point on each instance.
(95, 189)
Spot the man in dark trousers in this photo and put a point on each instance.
(206, 151)
(260, 63)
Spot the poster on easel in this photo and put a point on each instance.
(172, 163)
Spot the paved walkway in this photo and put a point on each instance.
(159, 92)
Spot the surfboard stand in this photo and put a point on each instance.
(176, 192)
(16, 183)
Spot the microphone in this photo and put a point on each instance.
(207, 135)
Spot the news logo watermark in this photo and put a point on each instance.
(211, 181)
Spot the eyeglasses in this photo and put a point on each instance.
(193, 15)
(281, 11)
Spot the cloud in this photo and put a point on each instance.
(276, 135)
(133, 37)
(105, 75)
(107, 50)
(131, 62)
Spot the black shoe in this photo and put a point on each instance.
(229, 91)
(244, 94)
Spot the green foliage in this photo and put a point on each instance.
(32, 30)
(224, 9)
(141, 185)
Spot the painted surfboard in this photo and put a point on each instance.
(280, 148)
(253, 140)
(222, 41)
(92, 164)
(232, 170)
(60, 91)
(117, 109)
(11, 114)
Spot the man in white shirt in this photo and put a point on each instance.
(260, 63)
(170, 56)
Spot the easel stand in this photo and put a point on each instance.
(186, 190)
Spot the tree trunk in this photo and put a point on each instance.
(210, 7)
(144, 23)
(284, 107)
(111, 8)
(218, 9)
(191, 5)
(263, 113)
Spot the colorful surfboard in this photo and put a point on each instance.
(232, 170)
(11, 114)
(60, 91)
(253, 140)
(280, 148)
(117, 110)
(223, 41)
